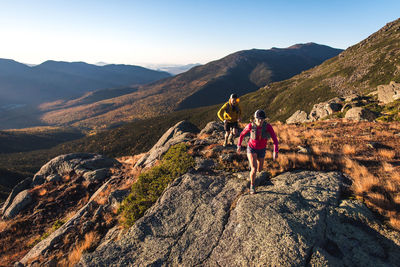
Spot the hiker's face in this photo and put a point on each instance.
(232, 101)
(258, 121)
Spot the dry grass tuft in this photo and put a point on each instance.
(102, 197)
(349, 150)
(284, 146)
(90, 240)
(294, 140)
(283, 162)
(387, 167)
(395, 222)
(392, 186)
(387, 153)
(3, 226)
(203, 136)
(42, 192)
(396, 176)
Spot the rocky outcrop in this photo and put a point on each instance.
(24, 184)
(180, 132)
(355, 103)
(295, 219)
(71, 226)
(324, 109)
(319, 111)
(82, 164)
(92, 167)
(20, 201)
(298, 117)
(389, 93)
(360, 114)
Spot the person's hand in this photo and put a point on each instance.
(239, 120)
(239, 149)
(275, 155)
(224, 121)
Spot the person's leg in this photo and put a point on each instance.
(260, 164)
(234, 131)
(227, 129)
(253, 167)
(232, 136)
(226, 138)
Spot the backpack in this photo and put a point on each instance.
(264, 133)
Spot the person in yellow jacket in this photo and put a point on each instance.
(230, 114)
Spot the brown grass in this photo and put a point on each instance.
(3, 226)
(387, 167)
(375, 173)
(203, 136)
(349, 150)
(387, 153)
(395, 222)
(90, 240)
(396, 176)
(392, 186)
(102, 197)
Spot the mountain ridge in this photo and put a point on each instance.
(50, 80)
(242, 72)
(359, 69)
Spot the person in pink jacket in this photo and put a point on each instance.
(259, 131)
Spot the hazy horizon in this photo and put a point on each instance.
(179, 32)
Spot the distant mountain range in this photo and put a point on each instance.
(173, 69)
(241, 72)
(52, 80)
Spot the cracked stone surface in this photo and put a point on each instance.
(296, 219)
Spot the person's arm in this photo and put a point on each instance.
(246, 130)
(221, 112)
(275, 139)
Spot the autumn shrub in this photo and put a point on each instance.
(151, 184)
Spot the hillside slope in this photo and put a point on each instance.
(359, 69)
(209, 84)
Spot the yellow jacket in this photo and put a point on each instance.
(229, 112)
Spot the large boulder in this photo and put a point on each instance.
(389, 93)
(179, 133)
(298, 117)
(22, 200)
(80, 163)
(24, 184)
(213, 127)
(324, 109)
(297, 219)
(360, 114)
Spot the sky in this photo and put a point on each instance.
(178, 31)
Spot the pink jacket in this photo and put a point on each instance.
(259, 143)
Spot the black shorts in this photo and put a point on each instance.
(260, 152)
(229, 125)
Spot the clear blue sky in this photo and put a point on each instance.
(178, 31)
